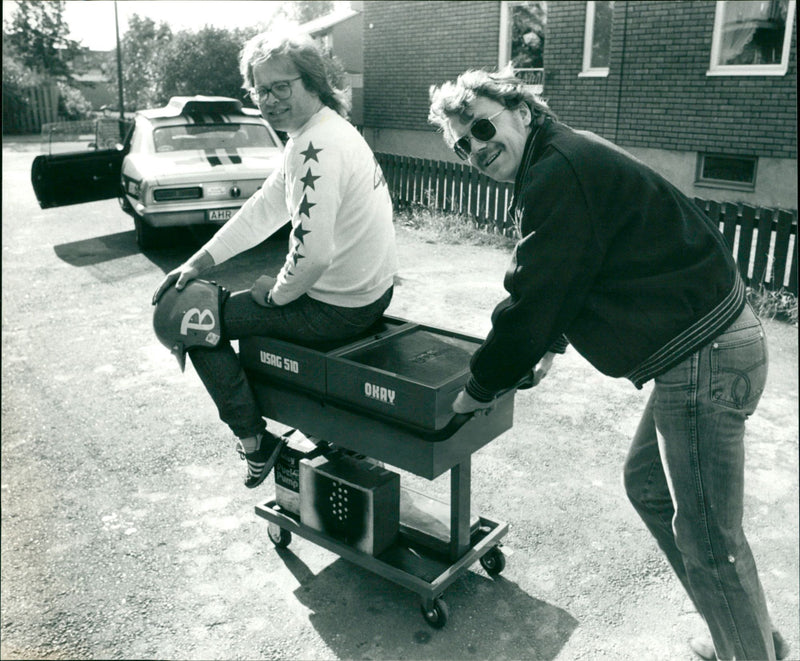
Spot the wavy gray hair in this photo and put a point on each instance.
(453, 99)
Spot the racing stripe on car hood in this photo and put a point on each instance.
(207, 118)
(220, 156)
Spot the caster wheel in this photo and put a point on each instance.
(435, 612)
(493, 561)
(280, 537)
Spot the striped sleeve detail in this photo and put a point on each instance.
(478, 392)
(692, 338)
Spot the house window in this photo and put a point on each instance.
(597, 38)
(752, 38)
(720, 171)
(522, 26)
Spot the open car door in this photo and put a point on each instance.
(62, 179)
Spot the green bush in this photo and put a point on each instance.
(72, 105)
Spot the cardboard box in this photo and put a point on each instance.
(355, 502)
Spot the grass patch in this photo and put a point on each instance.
(768, 304)
(434, 225)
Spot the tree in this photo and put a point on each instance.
(203, 62)
(303, 11)
(37, 33)
(144, 48)
(36, 48)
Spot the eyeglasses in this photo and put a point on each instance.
(281, 90)
(481, 129)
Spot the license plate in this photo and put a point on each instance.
(220, 214)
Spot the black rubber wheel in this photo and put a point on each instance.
(124, 204)
(435, 613)
(280, 537)
(146, 235)
(493, 561)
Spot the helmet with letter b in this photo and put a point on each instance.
(190, 317)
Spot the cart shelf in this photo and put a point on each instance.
(323, 392)
(406, 563)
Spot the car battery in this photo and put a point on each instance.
(412, 376)
(287, 468)
(297, 365)
(353, 501)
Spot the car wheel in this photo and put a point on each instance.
(146, 235)
(124, 204)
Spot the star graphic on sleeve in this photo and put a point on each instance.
(298, 233)
(305, 207)
(296, 257)
(308, 180)
(310, 153)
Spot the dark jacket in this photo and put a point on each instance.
(614, 257)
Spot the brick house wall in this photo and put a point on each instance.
(657, 101)
(657, 93)
(409, 46)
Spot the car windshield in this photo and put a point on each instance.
(212, 136)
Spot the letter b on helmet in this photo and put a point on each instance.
(191, 317)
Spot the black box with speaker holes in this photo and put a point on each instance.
(350, 500)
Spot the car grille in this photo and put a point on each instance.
(175, 194)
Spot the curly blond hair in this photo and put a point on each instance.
(320, 72)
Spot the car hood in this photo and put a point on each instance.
(199, 166)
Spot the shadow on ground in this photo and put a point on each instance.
(178, 244)
(489, 618)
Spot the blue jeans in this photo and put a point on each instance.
(684, 475)
(303, 321)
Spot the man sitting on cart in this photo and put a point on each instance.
(338, 274)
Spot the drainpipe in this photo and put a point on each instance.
(621, 69)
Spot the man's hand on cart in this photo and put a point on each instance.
(261, 289)
(542, 368)
(465, 403)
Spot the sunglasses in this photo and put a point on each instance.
(481, 129)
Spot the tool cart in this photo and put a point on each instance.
(357, 410)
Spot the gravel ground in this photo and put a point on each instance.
(126, 532)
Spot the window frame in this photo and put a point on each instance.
(716, 69)
(724, 183)
(587, 71)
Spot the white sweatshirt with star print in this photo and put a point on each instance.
(342, 244)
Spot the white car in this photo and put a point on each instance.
(194, 161)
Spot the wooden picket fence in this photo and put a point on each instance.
(763, 241)
(27, 112)
(450, 187)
